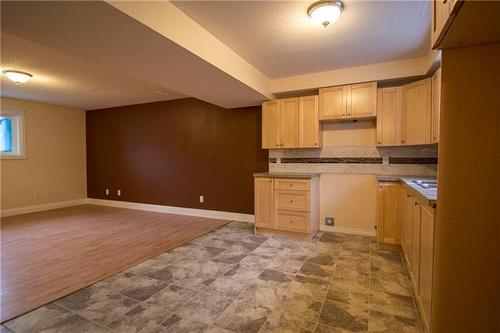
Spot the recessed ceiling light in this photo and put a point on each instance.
(325, 12)
(17, 76)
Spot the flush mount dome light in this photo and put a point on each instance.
(17, 76)
(325, 12)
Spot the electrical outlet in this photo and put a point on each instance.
(119, 192)
(329, 220)
(202, 198)
(107, 191)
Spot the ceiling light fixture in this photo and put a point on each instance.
(17, 76)
(325, 12)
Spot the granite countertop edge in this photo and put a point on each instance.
(287, 175)
(430, 195)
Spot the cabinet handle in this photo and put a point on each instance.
(315, 143)
(403, 141)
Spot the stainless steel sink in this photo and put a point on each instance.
(426, 183)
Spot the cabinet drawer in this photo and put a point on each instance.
(292, 221)
(292, 184)
(292, 200)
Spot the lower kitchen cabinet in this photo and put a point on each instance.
(287, 204)
(427, 223)
(389, 212)
(402, 213)
(418, 250)
(264, 202)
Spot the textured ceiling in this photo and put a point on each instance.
(278, 38)
(65, 80)
(88, 54)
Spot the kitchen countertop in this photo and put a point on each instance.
(429, 195)
(287, 175)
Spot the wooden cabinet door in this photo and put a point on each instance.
(333, 103)
(309, 126)
(436, 106)
(362, 100)
(390, 103)
(415, 244)
(416, 115)
(427, 218)
(408, 221)
(388, 212)
(289, 122)
(440, 14)
(270, 125)
(264, 202)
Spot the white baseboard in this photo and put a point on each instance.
(40, 208)
(213, 214)
(348, 230)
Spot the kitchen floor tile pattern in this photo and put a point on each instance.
(231, 280)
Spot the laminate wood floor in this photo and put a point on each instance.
(48, 255)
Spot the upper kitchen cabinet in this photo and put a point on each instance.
(390, 105)
(436, 106)
(309, 126)
(291, 123)
(354, 101)
(333, 103)
(270, 125)
(362, 100)
(458, 23)
(416, 113)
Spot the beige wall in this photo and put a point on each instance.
(54, 168)
(350, 198)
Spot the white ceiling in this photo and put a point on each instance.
(66, 80)
(92, 55)
(278, 38)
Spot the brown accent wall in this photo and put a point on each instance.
(170, 153)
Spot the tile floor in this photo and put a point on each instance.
(231, 280)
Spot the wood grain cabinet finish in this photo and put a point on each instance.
(389, 108)
(389, 212)
(291, 123)
(264, 202)
(416, 113)
(291, 205)
(427, 221)
(436, 106)
(354, 101)
(418, 222)
(333, 103)
(415, 246)
(270, 125)
(310, 134)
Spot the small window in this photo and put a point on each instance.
(12, 134)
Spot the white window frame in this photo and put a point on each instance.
(18, 135)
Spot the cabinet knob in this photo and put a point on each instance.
(403, 141)
(291, 201)
(291, 221)
(348, 114)
(277, 145)
(380, 142)
(315, 143)
(343, 114)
